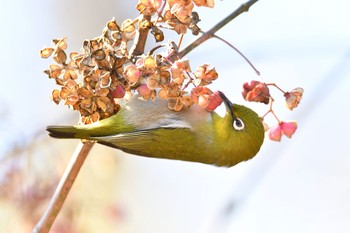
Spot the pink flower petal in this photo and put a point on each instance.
(275, 133)
(289, 128)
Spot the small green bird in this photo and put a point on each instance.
(149, 128)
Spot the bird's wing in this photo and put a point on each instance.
(158, 142)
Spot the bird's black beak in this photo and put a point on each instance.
(228, 104)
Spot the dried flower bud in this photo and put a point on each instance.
(293, 98)
(214, 102)
(150, 63)
(118, 92)
(256, 91)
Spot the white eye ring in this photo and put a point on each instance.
(238, 124)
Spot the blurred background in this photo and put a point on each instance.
(298, 185)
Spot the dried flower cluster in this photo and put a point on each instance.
(109, 67)
(256, 91)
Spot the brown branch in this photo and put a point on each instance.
(138, 47)
(209, 34)
(70, 174)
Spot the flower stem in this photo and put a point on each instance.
(209, 34)
(275, 85)
(70, 174)
(240, 53)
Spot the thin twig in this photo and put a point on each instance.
(70, 174)
(240, 53)
(209, 34)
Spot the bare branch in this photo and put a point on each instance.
(70, 174)
(209, 34)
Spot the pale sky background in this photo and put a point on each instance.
(298, 185)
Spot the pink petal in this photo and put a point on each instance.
(289, 128)
(275, 133)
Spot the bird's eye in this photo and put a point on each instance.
(238, 124)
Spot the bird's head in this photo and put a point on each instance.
(241, 130)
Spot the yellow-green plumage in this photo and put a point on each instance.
(150, 129)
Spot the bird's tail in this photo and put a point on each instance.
(62, 131)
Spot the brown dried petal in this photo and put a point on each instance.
(112, 25)
(101, 104)
(103, 64)
(60, 56)
(72, 55)
(95, 117)
(55, 71)
(206, 3)
(163, 94)
(173, 92)
(46, 52)
(69, 74)
(105, 100)
(96, 44)
(105, 80)
(77, 59)
(84, 93)
(128, 26)
(71, 84)
(102, 92)
(87, 61)
(119, 62)
(98, 54)
(60, 43)
(64, 93)
(72, 99)
(86, 103)
(186, 100)
(152, 83)
(59, 81)
(55, 95)
(175, 104)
